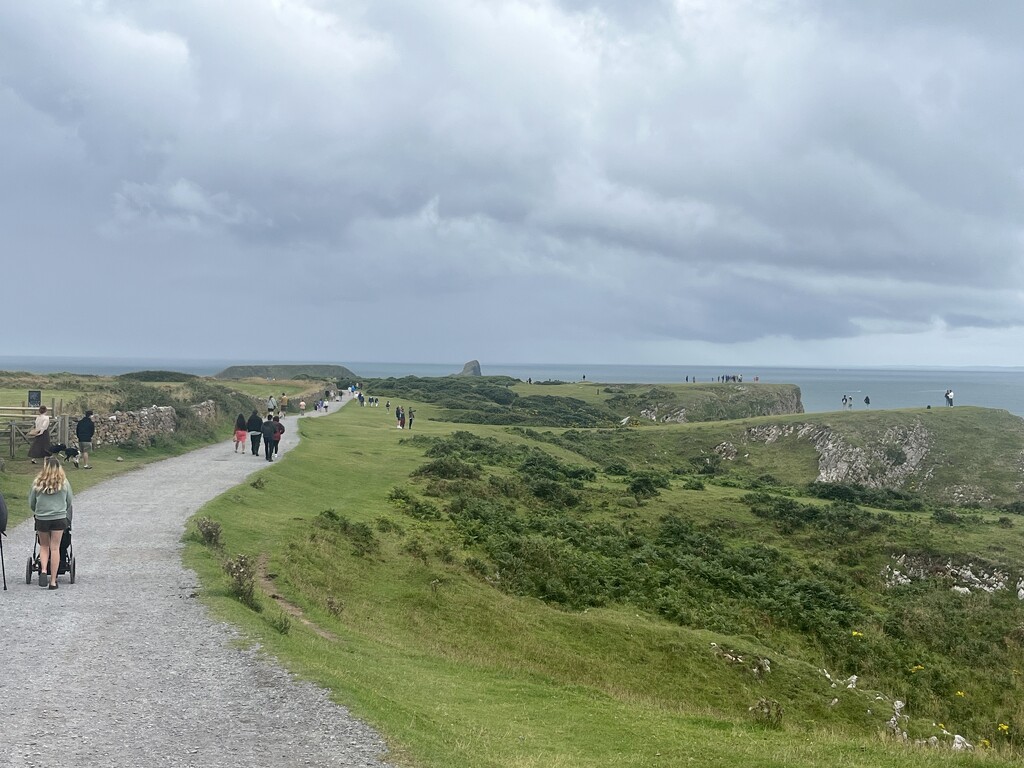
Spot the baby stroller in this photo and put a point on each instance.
(67, 556)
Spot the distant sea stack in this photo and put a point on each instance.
(320, 372)
(472, 368)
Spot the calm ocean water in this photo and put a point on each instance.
(822, 389)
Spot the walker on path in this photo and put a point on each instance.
(67, 557)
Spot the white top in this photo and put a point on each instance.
(42, 423)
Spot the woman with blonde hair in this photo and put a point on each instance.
(50, 500)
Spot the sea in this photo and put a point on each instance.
(822, 389)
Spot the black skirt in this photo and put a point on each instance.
(39, 445)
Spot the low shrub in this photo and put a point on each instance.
(241, 571)
(767, 713)
(448, 468)
(209, 531)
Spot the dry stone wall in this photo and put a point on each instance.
(142, 426)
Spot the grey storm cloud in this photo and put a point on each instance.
(525, 179)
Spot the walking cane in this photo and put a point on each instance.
(3, 532)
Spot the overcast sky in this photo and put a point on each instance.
(603, 181)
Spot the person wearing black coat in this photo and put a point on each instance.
(84, 431)
(255, 429)
(269, 430)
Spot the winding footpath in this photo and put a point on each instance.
(126, 668)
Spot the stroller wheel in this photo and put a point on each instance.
(28, 571)
(71, 571)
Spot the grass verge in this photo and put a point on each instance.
(457, 673)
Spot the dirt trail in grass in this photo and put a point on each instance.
(126, 668)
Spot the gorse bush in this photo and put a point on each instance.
(645, 485)
(448, 468)
(838, 519)
(883, 498)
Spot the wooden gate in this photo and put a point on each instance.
(20, 420)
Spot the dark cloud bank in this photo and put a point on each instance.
(517, 180)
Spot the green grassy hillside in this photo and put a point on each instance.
(495, 596)
(326, 372)
(504, 400)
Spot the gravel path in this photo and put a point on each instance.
(126, 668)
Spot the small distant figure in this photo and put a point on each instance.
(241, 432)
(846, 402)
(584, 377)
(412, 415)
(84, 431)
(949, 397)
(387, 406)
(302, 408)
(530, 380)
(687, 379)
(283, 403)
(272, 404)
(867, 401)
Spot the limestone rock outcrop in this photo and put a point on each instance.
(890, 462)
(472, 368)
